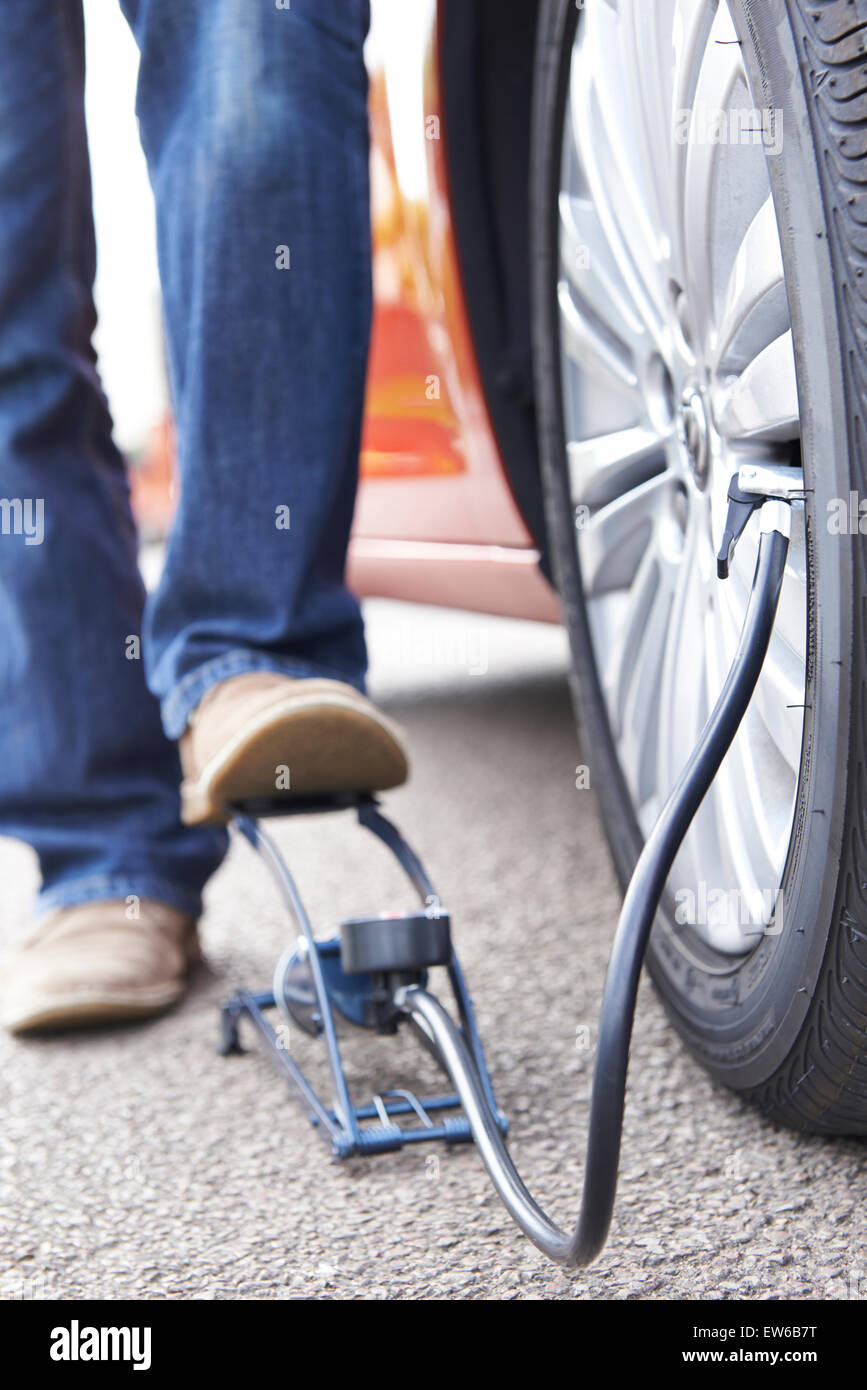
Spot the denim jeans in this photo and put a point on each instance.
(254, 124)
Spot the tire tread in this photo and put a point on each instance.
(823, 1085)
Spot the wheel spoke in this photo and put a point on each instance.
(762, 403)
(604, 468)
(593, 275)
(682, 696)
(756, 276)
(601, 145)
(632, 677)
(642, 40)
(744, 860)
(643, 594)
(691, 27)
(720, 69)
(779, 697)
(617, 535)
(594, 349)
(639, 696)
(743, 807)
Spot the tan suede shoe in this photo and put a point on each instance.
(91, 964)
(267, 735)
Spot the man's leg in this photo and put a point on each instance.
(87, 776)
(254, 122)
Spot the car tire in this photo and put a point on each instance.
(783, 1024)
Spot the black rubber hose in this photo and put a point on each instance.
(637, 916)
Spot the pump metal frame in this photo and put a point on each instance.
(344, 1124)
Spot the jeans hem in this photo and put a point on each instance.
(177, 707)
(114, 887)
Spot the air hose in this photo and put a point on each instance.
(640, 906)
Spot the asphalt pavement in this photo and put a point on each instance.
(137, 1163)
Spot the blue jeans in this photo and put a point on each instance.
(254, 124)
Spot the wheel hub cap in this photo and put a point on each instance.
(694, 436)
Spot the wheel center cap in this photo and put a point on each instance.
(694, 435)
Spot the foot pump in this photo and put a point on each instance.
(375, 974)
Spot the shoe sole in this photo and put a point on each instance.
(81, 1010)
(328, 743)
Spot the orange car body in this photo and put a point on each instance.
(436, 521)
